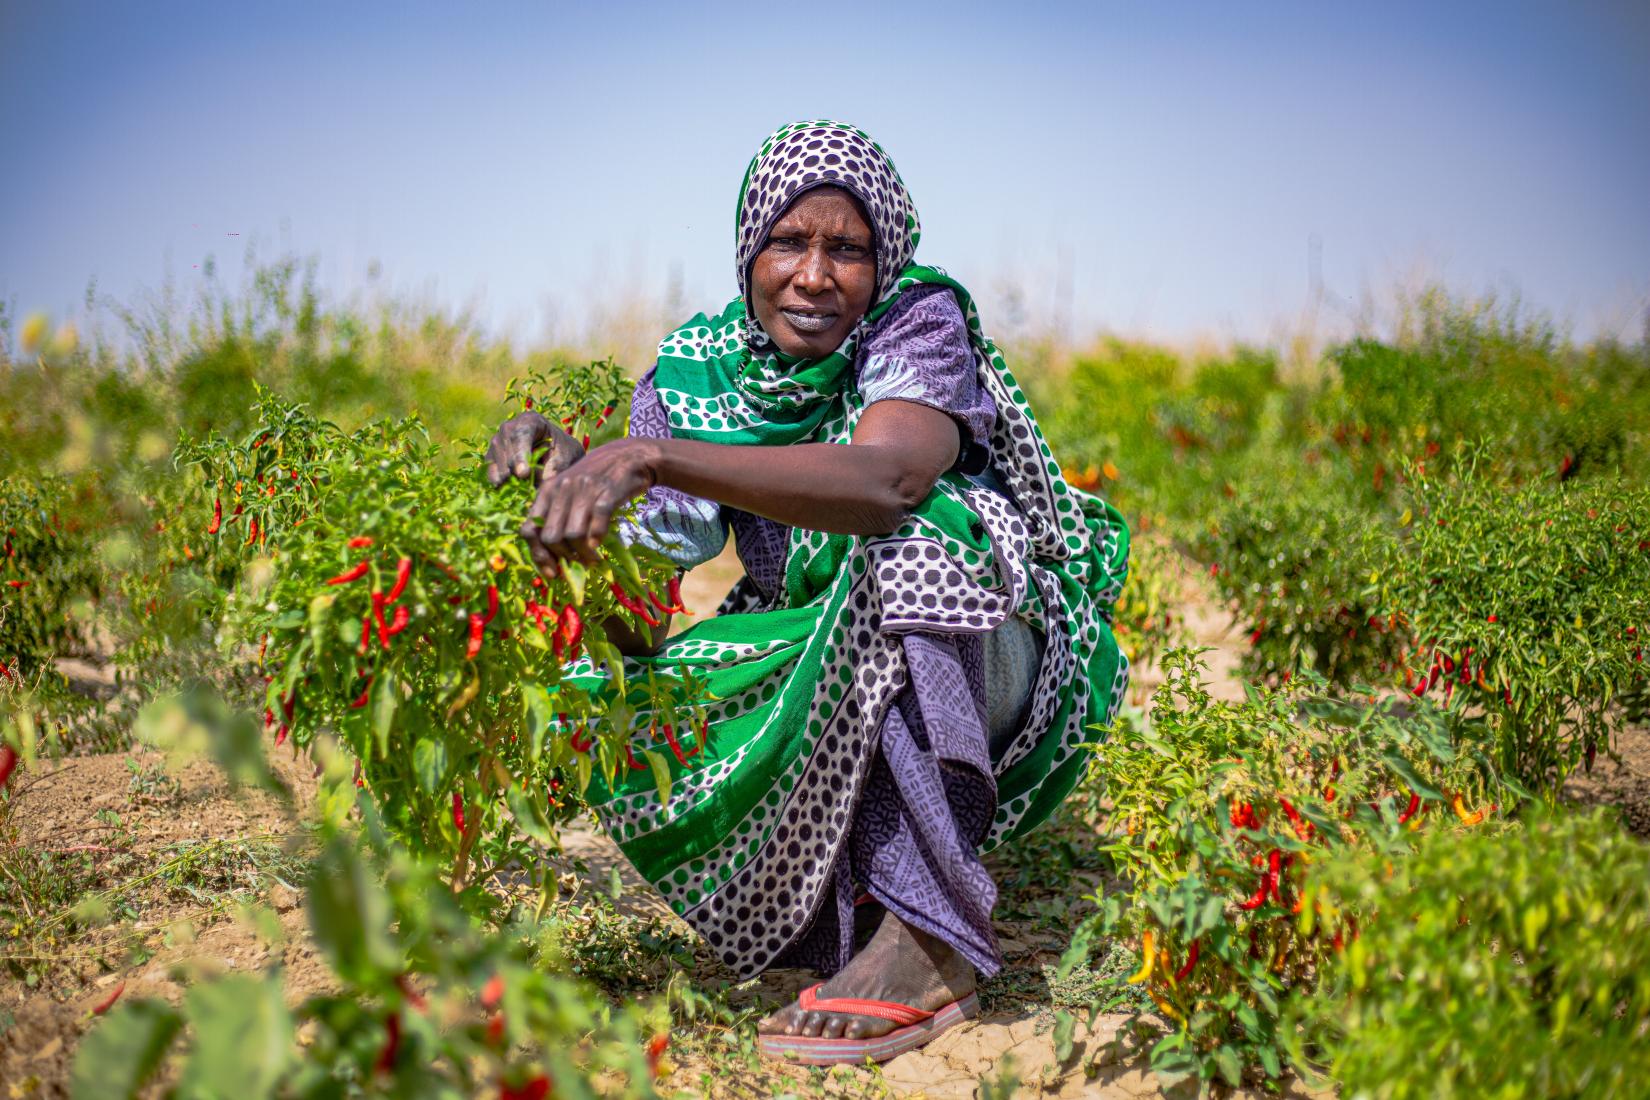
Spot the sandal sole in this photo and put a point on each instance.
(812, 1051)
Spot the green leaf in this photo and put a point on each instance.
(535, 717)
(1077, 952)
(1226, 1061)
(661, 774)
(350, 915)
(386, 697)
(117, 1056)
(1409, 775)
(529, 815)
(574, 573)
(429, 761)
(243, 1038)
(1065, 1025)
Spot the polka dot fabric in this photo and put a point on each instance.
(804, 155)
(800, 680)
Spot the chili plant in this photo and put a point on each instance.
(1530, 607)
(1506, 964)
(1219, 815)
(423, 1002)
(395, 610)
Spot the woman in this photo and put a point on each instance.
(904, 677)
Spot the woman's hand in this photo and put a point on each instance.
(510, 452)
(575, 506)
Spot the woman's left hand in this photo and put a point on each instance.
(574, 509)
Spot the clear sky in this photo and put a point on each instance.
(1150, 168)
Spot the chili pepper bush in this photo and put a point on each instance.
(424, 1002)
(1498, 964)
(51, 573)
(1288, 552)
(1220, 815)
(393, 609)
(1528, 606)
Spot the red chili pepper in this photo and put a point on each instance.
(630, 757)
(458, 811)
(633, 605)
(361, 700)
(674, 590)
(366, 635)
(589, 739)
(252, 532)
(354, 573)
(1303, 829)
(492, 993)
(280, 735)
(1258, 898)
(413, 996)
(18, 584)
(534, 1088)
(584, 441)
(269, 717)
(109, 1002)
(492, 604)
(403, 571)
(653, 597)
(288, 704)
(656, 1048)
(570, 629)
(1409, 811)
(399, 622)
(392, 1043)
(675, 745)
(478, 631)
(378, 620)
(360, 542)
(527, 403)
(8, 763)
(1191, 961)
(217, 517)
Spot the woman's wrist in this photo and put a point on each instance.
(651, 456)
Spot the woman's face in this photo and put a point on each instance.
(814, 279)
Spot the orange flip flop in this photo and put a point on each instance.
(916, 1027)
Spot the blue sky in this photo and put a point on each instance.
(1156, 169)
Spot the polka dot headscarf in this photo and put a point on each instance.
(803, 155)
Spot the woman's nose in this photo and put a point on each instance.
(813, 276)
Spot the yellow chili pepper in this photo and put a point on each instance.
(1145, 970)
(1166, 1008)
(1461, 812)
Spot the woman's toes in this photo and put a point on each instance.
(834, 1027)
(777, 1023)
(857, 1029)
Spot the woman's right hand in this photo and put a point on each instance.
(510, 451)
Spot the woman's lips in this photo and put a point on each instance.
(809, 322)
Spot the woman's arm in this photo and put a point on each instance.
(899, 450)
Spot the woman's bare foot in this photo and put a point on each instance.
(901, 964)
